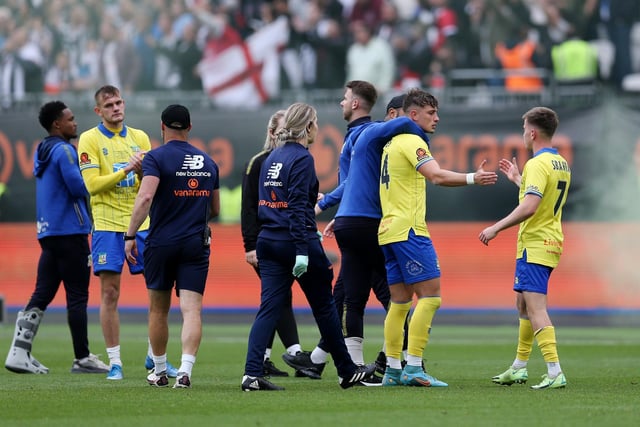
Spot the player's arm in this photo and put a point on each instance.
(527, 207)
(142, 204)
(141, 208)
(215, 203)
(67, 161)
(97, 183)
(431, 170)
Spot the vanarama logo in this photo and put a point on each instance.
(191, 193)
(273, 205)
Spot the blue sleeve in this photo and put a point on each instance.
(398, 126)
(300, 181)
(66, 158)
(150, 165)
(216, 180)
(334, 197)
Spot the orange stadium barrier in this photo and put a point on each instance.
(597, 271)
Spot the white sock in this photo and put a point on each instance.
(414, 360)
(518, 364)
(394, 363)
(294, 349)
(354, 346)
(267, 354)
(553, 369)
(318, 355)
(186, 363)
(114, 355)
(160, 363)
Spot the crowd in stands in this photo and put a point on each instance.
(240, 49)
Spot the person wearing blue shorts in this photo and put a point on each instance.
(543, 185)
(410, 259)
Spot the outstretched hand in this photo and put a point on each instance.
(482, 177)
(510, 169)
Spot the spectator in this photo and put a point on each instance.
(21, 68)
(618, 16)
(370, 58)
(187, 55)
(518, 55)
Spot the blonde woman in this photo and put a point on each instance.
(288, 247)
(287, 328)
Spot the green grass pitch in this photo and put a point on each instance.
(602, 366)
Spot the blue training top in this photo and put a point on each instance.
(181, 205)
(362, 187)
(61, 196)
(353, 131)
(287, 196)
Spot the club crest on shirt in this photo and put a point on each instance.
(84, 159)
(421, 154)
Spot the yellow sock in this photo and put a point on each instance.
(546, 338)
(394, 328)
(420, 325)
(525, 340)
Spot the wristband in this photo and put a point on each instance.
(470, 180)
(125, 237)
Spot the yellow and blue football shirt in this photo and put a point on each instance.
(103, 155)
(403, 189)
(547, 175)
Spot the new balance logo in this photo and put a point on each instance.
(274, 171)
(193, 162)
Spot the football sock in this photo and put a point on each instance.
(160, 363)
(294, 349)
(420, 325)
(525, 343)
(394, 363)
(354, 346)
(267, 353)
(546, 338)
(394, 328)
(186, 363)
(114, 355)
(318, 355)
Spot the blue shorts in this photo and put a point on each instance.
(107, 252)
(411, 261)
(531, 277)
(185, 264)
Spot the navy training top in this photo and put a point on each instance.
(287, 196)
(181, 206)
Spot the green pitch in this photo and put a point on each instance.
(601, 364)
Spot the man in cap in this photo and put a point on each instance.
(180, 192)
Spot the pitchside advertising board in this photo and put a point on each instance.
(598, 270)
(601, 144)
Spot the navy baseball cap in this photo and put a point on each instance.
(177, 117)
(396, 101)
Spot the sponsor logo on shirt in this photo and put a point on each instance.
(192, 164)
(272, 175)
